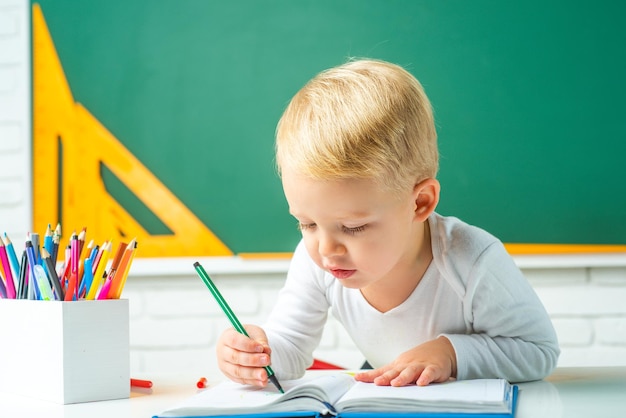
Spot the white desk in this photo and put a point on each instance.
(575, 392)
(568, 393)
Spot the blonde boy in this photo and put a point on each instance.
(424, 297)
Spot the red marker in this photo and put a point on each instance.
(202, 383)
(141, 383)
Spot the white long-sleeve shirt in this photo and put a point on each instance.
(472, 293)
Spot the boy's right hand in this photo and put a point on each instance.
(243, 359)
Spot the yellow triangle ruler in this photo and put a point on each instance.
(62, 127)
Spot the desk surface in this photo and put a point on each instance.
(568, 393)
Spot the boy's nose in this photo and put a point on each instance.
(330, 247)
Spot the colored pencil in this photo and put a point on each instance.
(231, 316)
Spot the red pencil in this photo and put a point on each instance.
(201, 383)
(139, 383)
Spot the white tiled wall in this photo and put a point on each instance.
(15, 149)
(588, 308)
(174, 321)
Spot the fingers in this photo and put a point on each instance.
(407, 376)
(431, 374)
(240, 342)
(421, 375)
(432, 361)
(399, 376)
(245, 375)
(243, 359)
(370, 375)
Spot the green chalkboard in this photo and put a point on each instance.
(530, 102)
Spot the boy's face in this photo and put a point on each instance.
(356, 231)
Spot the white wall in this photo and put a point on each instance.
(15, 130)
(175, 322)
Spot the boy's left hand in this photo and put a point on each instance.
(433, 361)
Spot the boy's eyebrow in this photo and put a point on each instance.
(359, 216)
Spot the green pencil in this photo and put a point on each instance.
(231, 316)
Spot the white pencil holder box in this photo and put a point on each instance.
(65, 352)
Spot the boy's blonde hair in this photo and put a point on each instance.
(364, 119)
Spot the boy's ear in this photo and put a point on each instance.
(426, 195)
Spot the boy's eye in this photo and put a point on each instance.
(354, 230)
(304, 227)
(348, 230)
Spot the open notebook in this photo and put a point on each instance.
(339, 394)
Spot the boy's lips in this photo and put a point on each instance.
(341, 273)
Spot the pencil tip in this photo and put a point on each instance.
(274, 380)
